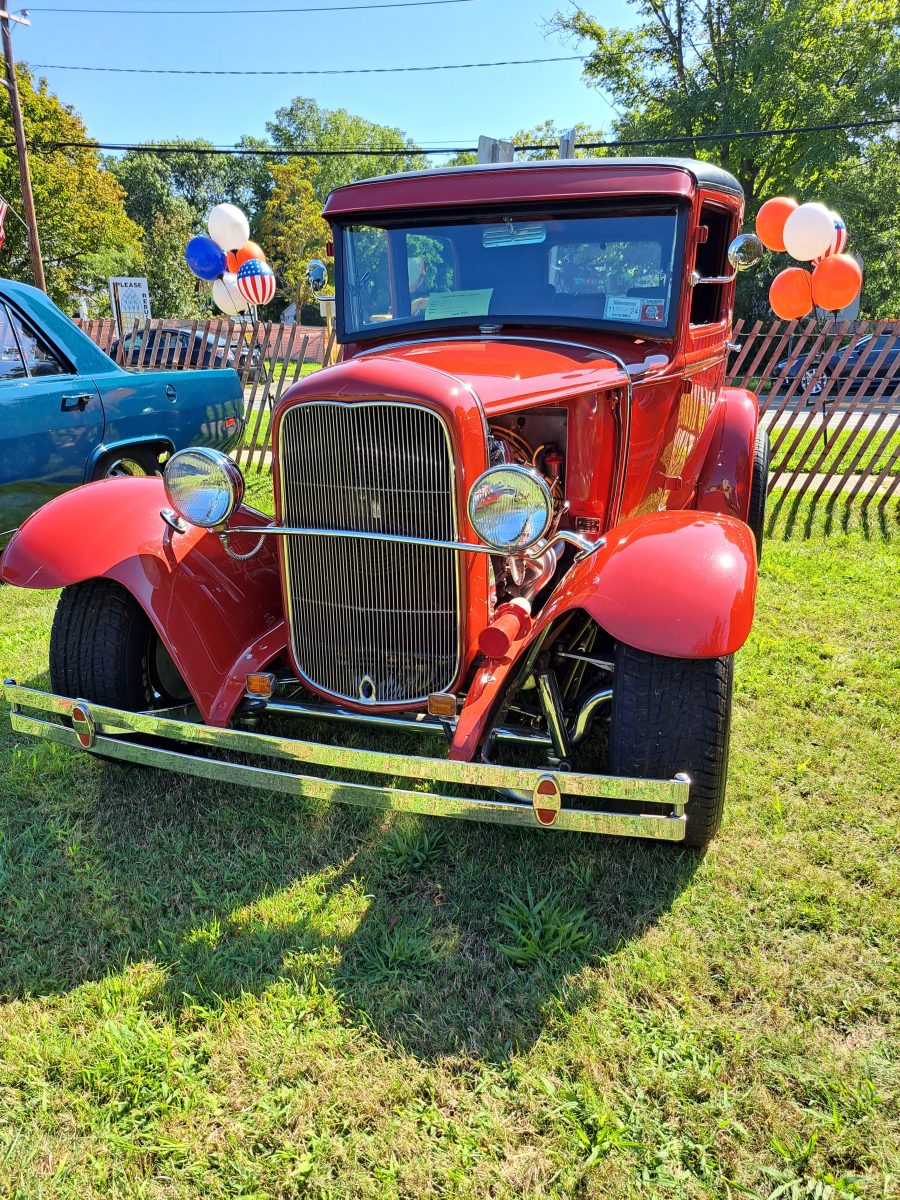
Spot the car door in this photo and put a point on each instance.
(50, 420)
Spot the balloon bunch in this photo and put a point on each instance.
(810, 233)
(235, 266)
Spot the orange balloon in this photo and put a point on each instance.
(790, 294)
(770, 221)
(235, 258)
(836, 282)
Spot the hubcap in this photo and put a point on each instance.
(128, 467)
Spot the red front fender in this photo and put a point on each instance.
(680, 584)
(218, 618)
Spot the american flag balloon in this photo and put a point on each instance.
(838, 242)
(256, 281)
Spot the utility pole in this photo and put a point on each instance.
(34, 241)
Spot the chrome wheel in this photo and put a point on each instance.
(813, 389)
(129, 464)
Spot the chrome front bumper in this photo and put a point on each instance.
(132, 737)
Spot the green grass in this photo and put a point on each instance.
(254, 436)
(215, 993)
(845, 445)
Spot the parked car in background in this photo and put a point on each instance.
(179, 346)
(523, 513)
(185, 347)
(859, 366)
(69, 414)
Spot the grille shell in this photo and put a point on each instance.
(375, 623)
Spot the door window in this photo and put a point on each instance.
(40, 360)
(11, 364)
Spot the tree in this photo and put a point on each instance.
(719, 66)
(173, 287)
(183, 170)
(84, 229)
(866, 191)
(291, 225)
(548, 134)
(303, 123)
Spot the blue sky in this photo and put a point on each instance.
(435, 107)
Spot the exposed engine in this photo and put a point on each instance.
(517, 581)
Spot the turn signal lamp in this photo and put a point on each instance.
(261, 684)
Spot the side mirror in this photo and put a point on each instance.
(316, 275)
(745, 251)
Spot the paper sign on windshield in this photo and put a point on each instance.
(634, 308)
(473, 303)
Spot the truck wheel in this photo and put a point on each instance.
(670, 715)
(138, 460)
(104, 648)
(756, 513)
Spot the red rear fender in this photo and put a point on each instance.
(727, 474)
(218, 618)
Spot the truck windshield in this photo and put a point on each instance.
(611, 270)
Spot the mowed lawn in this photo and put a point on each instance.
(209, 992)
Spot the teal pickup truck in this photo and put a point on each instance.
(69, 414)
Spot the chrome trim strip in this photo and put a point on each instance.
(671, 794)
(583, 545)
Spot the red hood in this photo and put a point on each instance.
(509, 374)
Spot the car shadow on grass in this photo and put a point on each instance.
(224, 891)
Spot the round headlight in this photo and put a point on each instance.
(204, 486)
(510, 507)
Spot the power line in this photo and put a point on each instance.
(510, 62)
(203, 12)
(412, 150)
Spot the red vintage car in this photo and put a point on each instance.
(521, 517)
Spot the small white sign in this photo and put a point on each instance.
(130, 299)
(622, 308)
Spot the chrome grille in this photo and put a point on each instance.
(370, 620)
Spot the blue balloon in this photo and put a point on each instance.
(205, 258)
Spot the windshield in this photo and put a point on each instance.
(614, 270)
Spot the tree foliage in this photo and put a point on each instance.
(291, 226)
(304, 123)
(84, 230)
(173, 287)
(201, 180)
(716, 66)
(693, 67)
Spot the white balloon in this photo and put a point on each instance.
(228, 227)
(809, 231)
(226, 295)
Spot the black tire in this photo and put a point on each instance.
(104, 649)
(670, 715)
(756, 513)
(129, 461)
